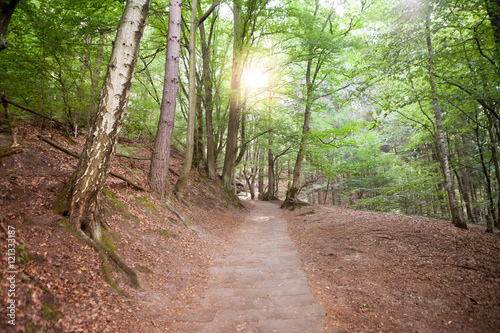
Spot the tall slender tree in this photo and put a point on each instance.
(234, 108)
(181, 183)
(456, 211)
(158, 174)
(81, 194)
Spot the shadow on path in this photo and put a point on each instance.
(259, 286)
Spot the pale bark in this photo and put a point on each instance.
(158, 175)
(455, 210)
(85, 185)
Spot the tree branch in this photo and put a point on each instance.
(76, 155)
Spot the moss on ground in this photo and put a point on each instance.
(50, 311)
(163, 233)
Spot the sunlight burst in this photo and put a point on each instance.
(254, 79)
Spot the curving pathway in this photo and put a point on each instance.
(259, 286)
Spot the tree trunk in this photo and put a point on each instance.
(261, 176)
(7, 8)
(199, 149)
(181, 183)
(292, 192)
(158, 174)
(465, 186)
(491, 206)
(82, 192)
(494, 158)
(208, 102)
(455, 210)
(234, 108)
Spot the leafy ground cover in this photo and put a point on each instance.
(389, 273)
(60, 284)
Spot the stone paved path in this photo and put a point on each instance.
(259, 286)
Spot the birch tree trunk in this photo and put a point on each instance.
(82, 192)
(455, 210)
(158, 174)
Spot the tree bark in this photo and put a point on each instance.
(234, 108)
(490, 215)
(181, 183)
(261, 176)
(463, 183)
(83, 190)
(455, 210)
(291, 199)
(208, 102)
(494, 157)
(199, 147)
(7, 8)
(158, 174)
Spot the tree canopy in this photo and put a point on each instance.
(387, 105)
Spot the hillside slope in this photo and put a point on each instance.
(60, 284)
(389, 273)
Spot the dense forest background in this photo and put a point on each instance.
(385, 105)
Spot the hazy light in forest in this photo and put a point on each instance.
(254, 79)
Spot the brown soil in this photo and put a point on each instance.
(371, 272)
(388, 273)
(170, 259)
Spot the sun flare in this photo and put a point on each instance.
(254, 79)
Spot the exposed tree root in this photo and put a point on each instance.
(292, 201)
(177, 213)
(103, 252)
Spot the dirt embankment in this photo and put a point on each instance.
(379, 272)
(60, 285)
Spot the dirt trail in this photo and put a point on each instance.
(258, 285)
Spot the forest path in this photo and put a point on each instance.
(259, 284)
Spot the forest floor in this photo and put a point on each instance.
(388, 273)
(371, 272)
